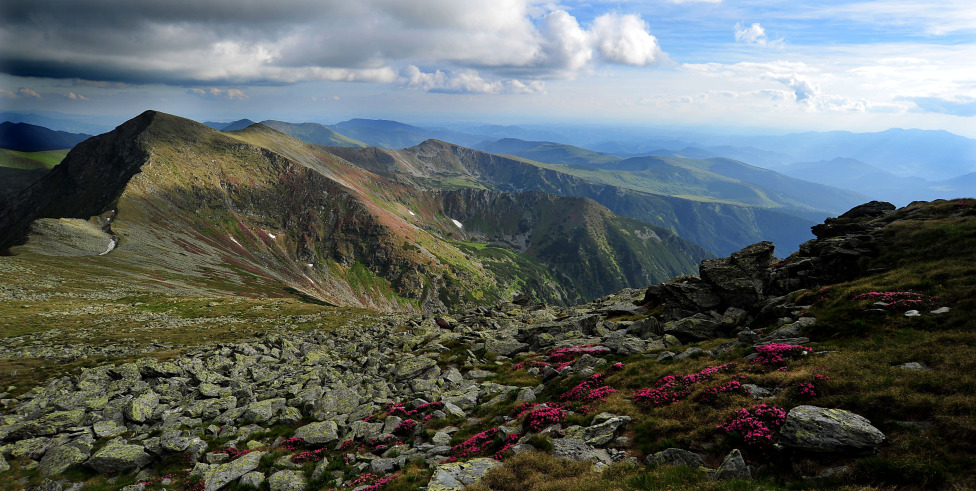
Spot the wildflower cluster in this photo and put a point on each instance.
(405, 427)
(673, 388)
(510, 441)
(537, 416)
(899, 300)
(396, 407)
(711, 394)
(292, 443)
(592, 388)
(809, 389)
(371, 481)
(561, 355)
(475, 445)
(756, 426)
(776, 354)
(308, 456)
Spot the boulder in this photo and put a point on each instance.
(697, 327)
(676, 457)
(118, 456)
(823, 430)
(732, 467)
(412, 366)
(319, 433)
(504, 347)
(287, 480)
(739, 280)
(217, 476)
(456, 475)
(60, 459)
(577, 449)
(264, 411)
(140, 408)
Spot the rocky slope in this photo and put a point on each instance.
(709, 378)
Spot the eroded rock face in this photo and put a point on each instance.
(823, 430)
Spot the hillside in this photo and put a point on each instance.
(313, 133)
(844, 366)
(710, 179)
(718, 227)
(256, 212)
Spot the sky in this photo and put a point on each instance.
(771, 66)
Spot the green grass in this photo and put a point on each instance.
(31, 160)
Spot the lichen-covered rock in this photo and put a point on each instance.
(676, 457)
(605, 428)
(576, 449)
(319, 433)
(412, 366)
(108, 429)
(287, 480)
(254, 479)
(823, 430)
(140, 408)
(118, 456)
(4, 466)
(456, 475)
(60, 459)
(217, 476)
(264, 411)
(504, 347)
(732, 467)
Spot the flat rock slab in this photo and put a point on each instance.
(823, 430)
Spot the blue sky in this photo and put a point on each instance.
(774, 66)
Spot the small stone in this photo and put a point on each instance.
(940, 310)
(912, 313)
(915, 366)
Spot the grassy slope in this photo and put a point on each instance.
(31, 160)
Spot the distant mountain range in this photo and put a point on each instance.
(24, 137)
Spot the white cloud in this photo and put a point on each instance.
(25, 92)
(216, 93)
(466, 81)
(625, 39)
(755, 35)
(695, 1)
(76, 97)
(6, 94)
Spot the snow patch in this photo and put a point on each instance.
(234, 240)
(457, 223)
(411, 213)
(273, 236)
(111, 245)
(310, 265)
